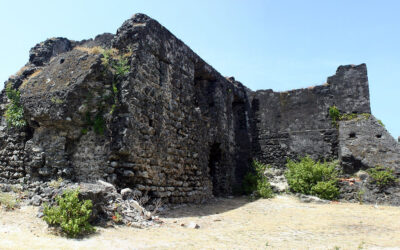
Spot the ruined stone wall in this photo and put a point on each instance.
(171, 126)
(297, 123)
(174, 127)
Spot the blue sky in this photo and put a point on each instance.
(281, 44)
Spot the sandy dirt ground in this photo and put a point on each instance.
(279, 223)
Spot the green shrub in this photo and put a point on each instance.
(97, 123)
(71, 214)
(326, 190)
(334, 113)
(382, 176)
(309, 177)
(249, 183)
(15, 112)
(255, 182)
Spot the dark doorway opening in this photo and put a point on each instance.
(214, 164)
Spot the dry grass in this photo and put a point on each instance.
(128, 54)
(37, 72)
(21, 70)
(8, 201)
(92, 50)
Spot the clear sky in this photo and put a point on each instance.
(266, 44)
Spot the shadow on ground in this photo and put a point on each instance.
(215, 206)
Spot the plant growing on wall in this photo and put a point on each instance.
(15, 112)
(336, 116)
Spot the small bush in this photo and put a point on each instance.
(97, 123)
(249, 183)
(326, 190)
(71, 214)
(316, 178)
(382, 176)
(15, 112)
(255, 182)
(334, 113)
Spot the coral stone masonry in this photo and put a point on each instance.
(141, 110)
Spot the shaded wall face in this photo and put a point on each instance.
(179, 119)
(297, 123)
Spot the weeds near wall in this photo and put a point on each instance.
(382, 176)
(336, 116)
(70, 214)
(256, 183)
(56, 183)
(381, 123)
(311, 177)
(15, 112)
(8, 201)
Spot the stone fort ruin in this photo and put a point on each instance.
(140, 109)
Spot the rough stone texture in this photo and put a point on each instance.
(174, 128)
(295, 123)
(364, 143)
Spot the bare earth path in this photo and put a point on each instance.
(279, 223)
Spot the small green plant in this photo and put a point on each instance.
(117, 218)
(15, 112)
(382, 176)
(307, 176)
(255, 182)
(121, 66)
(8, 201)
(118, 64)
(70, 214)
(360, 195)
(334, 113)
(381, 123)
(115, 89)
(98, 124)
